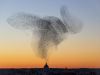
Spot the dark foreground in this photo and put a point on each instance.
(49, 71)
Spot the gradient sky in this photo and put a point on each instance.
(80, 50)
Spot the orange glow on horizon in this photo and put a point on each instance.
(72, 53)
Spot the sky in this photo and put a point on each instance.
(79, 50)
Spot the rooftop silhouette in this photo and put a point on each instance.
(46, 66)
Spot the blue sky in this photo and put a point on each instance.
(86, 10)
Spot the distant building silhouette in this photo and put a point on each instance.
(46, 66)
(49, 71)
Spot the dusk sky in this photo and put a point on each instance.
(81, 50)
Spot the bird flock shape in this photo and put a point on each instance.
(51, 30)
